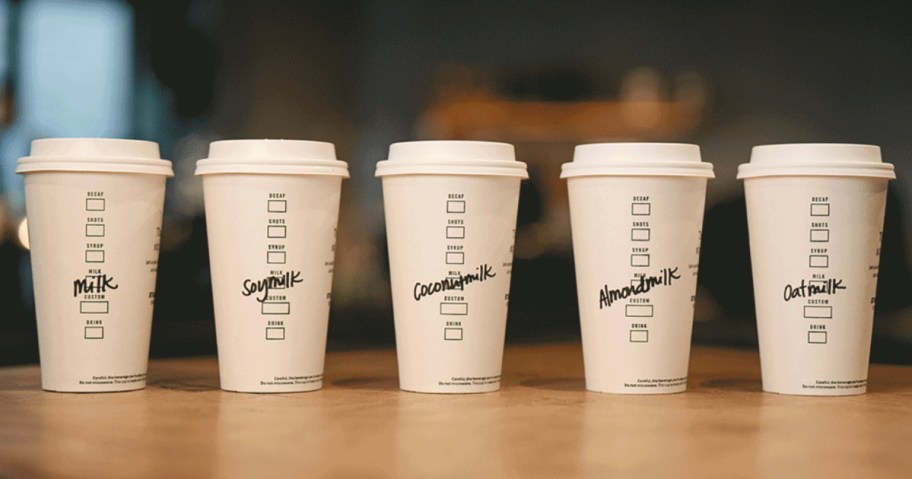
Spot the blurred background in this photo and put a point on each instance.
(543, 75)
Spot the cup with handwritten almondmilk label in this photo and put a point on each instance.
(636, 212)
(94, 221)
(450, 223)
(815, 216)
(272, 207)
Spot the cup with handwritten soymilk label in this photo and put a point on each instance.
(450, 224)
(272, 207)
(815, 216)
(636, 212)
(94, 221)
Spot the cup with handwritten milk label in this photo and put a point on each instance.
(450, 224)
(636, 212)
(94, 222)
(815, 216)
(272, 207)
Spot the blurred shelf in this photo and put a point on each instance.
(491, 118)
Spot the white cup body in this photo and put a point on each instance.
(277, 232)
(636, 247)
(94, 241)
(822, 231)
(441, 228)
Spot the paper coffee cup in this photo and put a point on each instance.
(450, 224)
(815, 216)
(94, 219)
(272, 207)
(636, 212)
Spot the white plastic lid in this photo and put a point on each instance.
(816, 159)
(452, 158)
(637, 159)
(272, 157)
(104, 155)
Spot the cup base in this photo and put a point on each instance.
(638, 392)
(815, 393)
(285, 390)
(95, 390)
(461, 390)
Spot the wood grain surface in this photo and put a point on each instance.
(541, 424)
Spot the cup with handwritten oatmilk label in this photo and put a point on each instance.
(636, 212)
(272, 207)
(94, 222)
(815, 216)
(450, 223)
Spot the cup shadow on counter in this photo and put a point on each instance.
(734, 384)
(555, 384)
(30, 383)
(368, 383)
(192, 384)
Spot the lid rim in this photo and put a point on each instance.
(272, 157)
(272, 169)
(695, 174)
(98, 155)
(815, 146)
(872, 173)
(87, 167)
(493, 144)
(815, 155)
(95, 148)
(270, 149)
(450, 151)
(698, 169)
(637, 153)
(96, 159)
(268, 160)
(843, 175)
(864, 169)
(816, 159)
(272, 173)
(510, 168)
(452, 157)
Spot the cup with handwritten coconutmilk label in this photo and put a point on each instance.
(94, 221)
(272, 207)
(450, 223)
(815, 217)
(636, 212)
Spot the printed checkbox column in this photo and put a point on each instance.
(817, 310)
(638, 310)
(93, 289)
(455, 306)
(275, 307)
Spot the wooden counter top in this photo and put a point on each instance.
(542, 424)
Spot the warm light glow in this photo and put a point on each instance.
(23, 233)
(641, 93)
